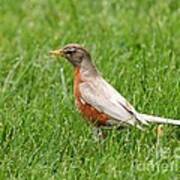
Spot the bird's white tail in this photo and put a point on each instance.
(155, 119)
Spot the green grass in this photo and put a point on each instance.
(136, 46)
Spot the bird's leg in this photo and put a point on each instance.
(98, 133)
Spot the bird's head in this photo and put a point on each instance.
(74, 53)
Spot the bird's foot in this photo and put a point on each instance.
(98, 134)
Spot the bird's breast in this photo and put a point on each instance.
(88, 111)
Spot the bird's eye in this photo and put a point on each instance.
(71, 50)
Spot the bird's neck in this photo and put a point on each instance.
(87, 69)
(83, 74)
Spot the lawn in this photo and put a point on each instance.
(136, 46)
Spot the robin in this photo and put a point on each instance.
(96, 99)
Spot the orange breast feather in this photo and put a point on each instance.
(86, 109)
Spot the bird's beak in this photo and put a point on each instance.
(58, 52)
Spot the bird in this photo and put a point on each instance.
(97, 100)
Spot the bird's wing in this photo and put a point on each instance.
(106, 99)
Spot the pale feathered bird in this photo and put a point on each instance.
(97, 100)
